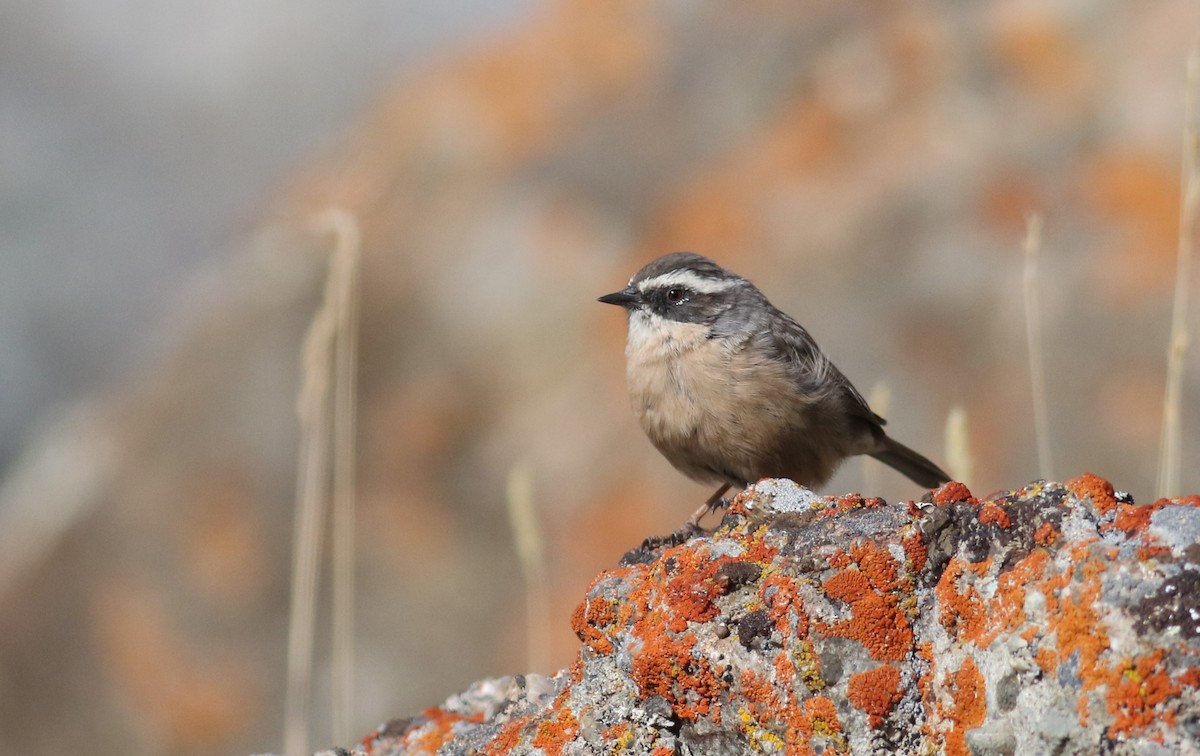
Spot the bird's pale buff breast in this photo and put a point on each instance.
(710, 407)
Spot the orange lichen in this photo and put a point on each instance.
(761, 698)
(1099, 490)
(1191, 501)
(690, 600)
(690, 589)
(822, 713)
(1132, 518)
(876, 620)
(969, 707)
(845, 503)
(877, 563)
(850, 502)
(1078, 630)
(641, 594)
(785, 670)
(550, 735)
(783, 599)
(680, 586)
(1137, 692)
(665, 667)
(553, 734)
(1046, 659)
(755, 687)
(925, 680)
(663, 599)
(1135, 518)
(618, 732)
(437, 728)
(839, 559)
(755, 549)
(507, 738)
(876, 692)
(776, 709)
(1005, 610)
(1135, 695)
(962, 611)
(951, 493)
(588, 621)
(1045, 535)
(916, 550)
(1145, 553)
(766, 705)
(994, 514)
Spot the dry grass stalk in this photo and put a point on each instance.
(327, 369)
(527, 538)
(1033, 340)
(879, 399)
(1169, 450)
(345, 273)
(958, 447)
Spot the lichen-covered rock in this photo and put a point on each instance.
(1051, 619)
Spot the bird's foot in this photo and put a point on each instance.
(714, 504)
(688, 530)
(719, 505)
(651, 546)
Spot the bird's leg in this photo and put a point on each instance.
(714, 503)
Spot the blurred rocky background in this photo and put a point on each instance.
(870, 167)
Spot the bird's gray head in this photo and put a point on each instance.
(682, 287)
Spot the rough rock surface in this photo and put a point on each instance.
(1051, 619)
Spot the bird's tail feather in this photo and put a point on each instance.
(918, 469)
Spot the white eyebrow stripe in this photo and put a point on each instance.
(688, 280)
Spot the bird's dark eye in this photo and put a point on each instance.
(676, 295)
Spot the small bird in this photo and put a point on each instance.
(731, 390)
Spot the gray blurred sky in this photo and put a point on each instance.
(137, 139)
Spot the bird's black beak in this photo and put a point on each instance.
(625, 298)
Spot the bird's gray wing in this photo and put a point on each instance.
(815, 372)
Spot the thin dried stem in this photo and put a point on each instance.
(958, 448)
(527, 537)
(325, 406)
(879, 400)
(1172, 431)
(345, 275)
(313, 408)
(1033, 339)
